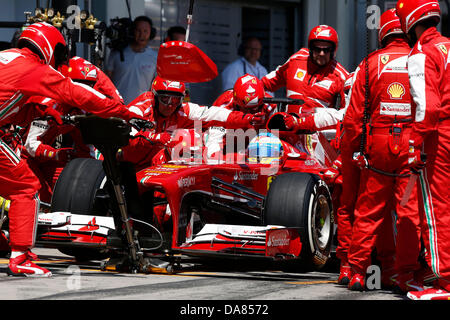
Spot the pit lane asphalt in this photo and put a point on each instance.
(229, 280)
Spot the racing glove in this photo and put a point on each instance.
(141, 124)
(246, 121)
(44, 111)
(162, 138)
(257, 119)
(333, 174)
(302, 123)
(47, 152)
(416, 159)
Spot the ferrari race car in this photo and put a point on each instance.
(272, 205)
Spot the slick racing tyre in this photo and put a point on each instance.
(303, 201)
(75, 192)
(76, 186)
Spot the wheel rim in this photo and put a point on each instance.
(321, 222)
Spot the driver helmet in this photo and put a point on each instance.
(80, 70)
(167, 92)
(46, 41)
(412, 11)
(324, 33)
(248, 93)
(389, 25)
(265, 148)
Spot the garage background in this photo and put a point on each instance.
(219, 26)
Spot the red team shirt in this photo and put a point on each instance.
(318, 86)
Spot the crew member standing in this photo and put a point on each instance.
(312, 74)
(386, 115)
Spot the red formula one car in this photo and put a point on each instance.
(272, 205)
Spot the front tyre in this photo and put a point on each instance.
(303, 201)
(75, 192)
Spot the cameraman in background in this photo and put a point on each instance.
(133, 68)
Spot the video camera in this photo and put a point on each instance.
(80, 26)
(119, 33)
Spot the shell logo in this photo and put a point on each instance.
(396, 90)
(400, 5)
(300, 74)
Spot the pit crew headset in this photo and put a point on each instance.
(46, 41)
(168, 93)
(248, 94)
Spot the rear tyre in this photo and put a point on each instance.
(303, 201)
(75, 192)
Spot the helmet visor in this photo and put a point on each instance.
(170, 99)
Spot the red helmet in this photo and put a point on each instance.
(412, 11)
(168, 92)
(80, 69)
(389, 24)
(47, 40)
(248, 92)
(323, 33)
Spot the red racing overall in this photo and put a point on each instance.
(387, 152)
(23, 75)
(429, 72)
(318, 86)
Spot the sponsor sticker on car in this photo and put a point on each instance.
(283, 242)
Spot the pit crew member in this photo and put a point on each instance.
(45, 159)
(312, 74)
(385, 170)
(246, 96)
(26, 71)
